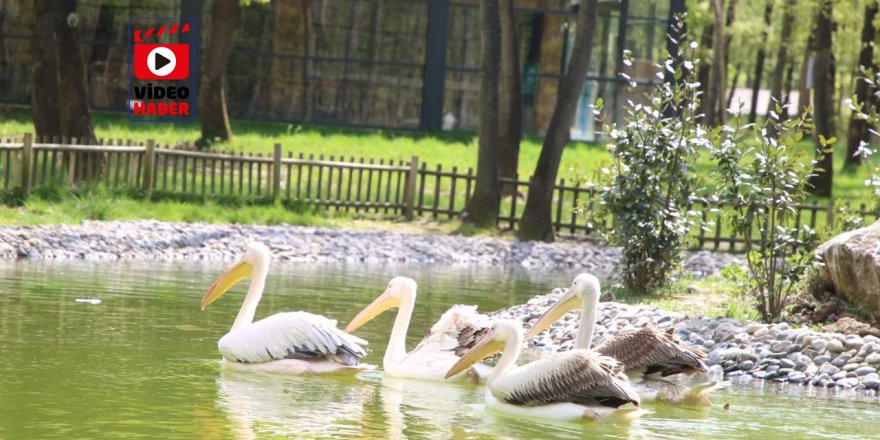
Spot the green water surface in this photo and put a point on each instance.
(144, 363)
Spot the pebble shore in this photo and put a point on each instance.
(155, 240)
(736, 350)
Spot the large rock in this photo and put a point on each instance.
(852, 265)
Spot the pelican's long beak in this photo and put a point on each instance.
(231, 277)
(485, 348)
(568, 302)
(384, 302)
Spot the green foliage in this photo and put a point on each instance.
(762, 178)
(648, 186)
(871, 115)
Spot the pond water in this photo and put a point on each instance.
(144, 363)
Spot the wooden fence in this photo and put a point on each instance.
(387, 188)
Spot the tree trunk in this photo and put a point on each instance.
(212, 109)
(823, 86)
(510, 98)
(715, 90)
(782, 54)
(536, 223)
(44, 78)
(73, 90)
(804, 89)
(703, 69)
(759, 63)
(858, 128)
(733, 84)
(482, 208)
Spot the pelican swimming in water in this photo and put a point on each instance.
(573, 385)
(647, 355)
(288, 343)
(455, 332)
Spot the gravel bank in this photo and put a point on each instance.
(746, 351)
(199, 241)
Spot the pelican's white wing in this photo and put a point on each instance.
(456, 331)
(449, 338)
(297, 335)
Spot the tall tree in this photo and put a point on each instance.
(715, 88)
(212, 109)
(858, 128)
(759, 62)
(44, 72)
(510, 96)
(823, 88)
(782, 53)
(536, 221)
(73, 90)
(482, 208)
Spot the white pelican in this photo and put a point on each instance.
(573, 385)
(289, 343)
(455, 332)
(646, 354)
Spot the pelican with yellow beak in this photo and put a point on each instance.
(289, 343)
(647, 355)
(453, 334)
(571, 386)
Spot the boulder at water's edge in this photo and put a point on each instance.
(852, 265)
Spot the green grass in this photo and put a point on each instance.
(713, 296)
(50, 205)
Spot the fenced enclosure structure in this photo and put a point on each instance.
(400, 64)
(363, 187)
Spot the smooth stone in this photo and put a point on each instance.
(819, 360)
(781, 346)
(828, 369)
(838, 376)
(862, 371)
(796, 377)
(841, 360)
(850, 367)
(745, 365)
(834, 346)
(848, 382)
(819, 378)
(785, 371)
(758, 374)
(871, 381)
(819, 345)
(811, 370)
(873, 358)
(787, 363)
(736, 373)
(761, 332)
(866, 349)
(854, 344)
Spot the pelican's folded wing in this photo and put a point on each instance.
(651, 352)
(577, 376)
(292, 335)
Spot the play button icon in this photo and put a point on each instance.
(161, 61)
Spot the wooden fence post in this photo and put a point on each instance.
(829, 215)
(409, 195)
(149, 165)
(27, 154)
(276, 172)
